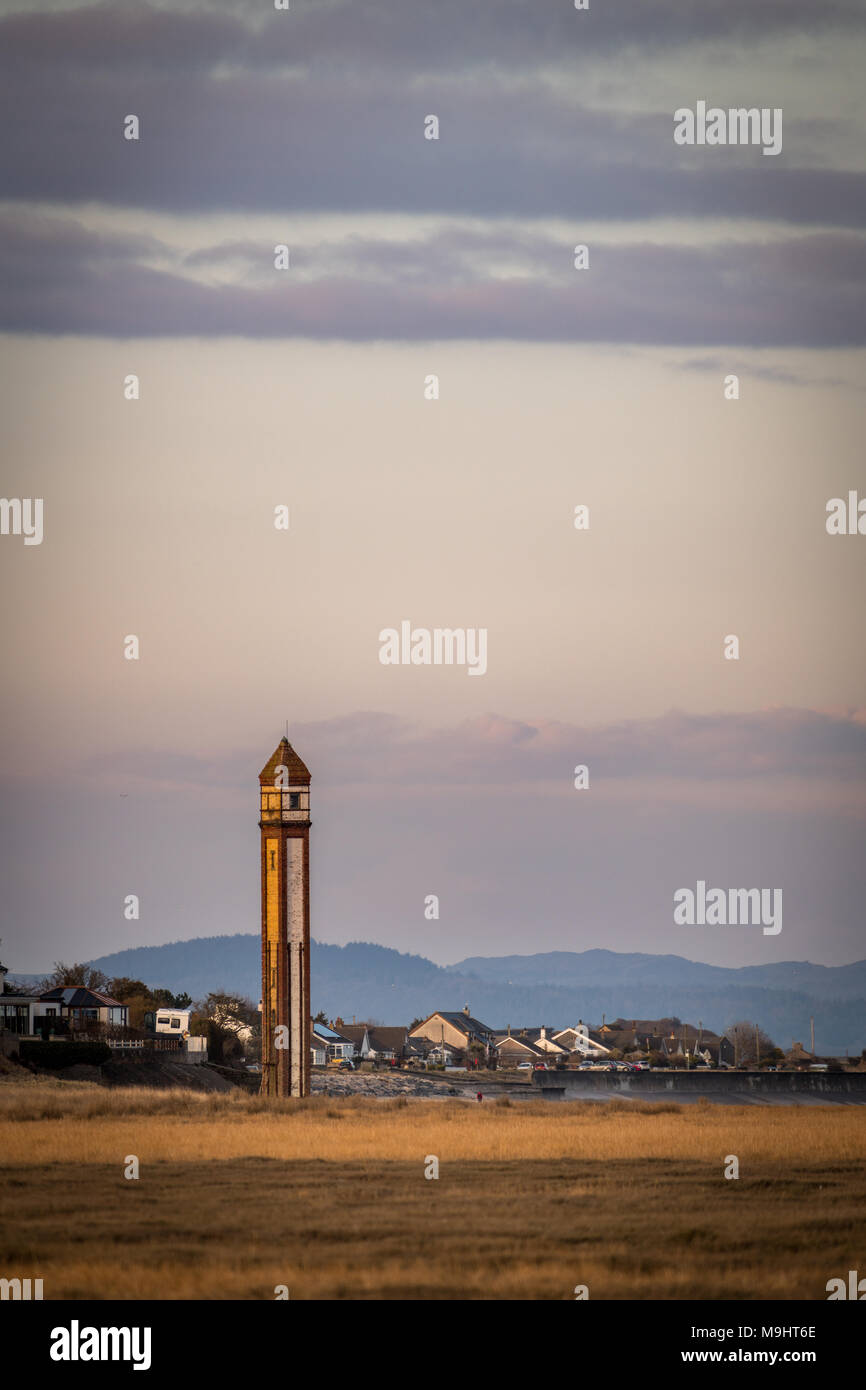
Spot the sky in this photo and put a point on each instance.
(305, 388)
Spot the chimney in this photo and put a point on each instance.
(509, 1030)
(466, 1010)
(544, 1033)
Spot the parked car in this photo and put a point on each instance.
(524, 1066)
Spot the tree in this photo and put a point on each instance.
(748, 1040)
(229, 1021)
(80, 974)
(136, 995)
(321, 1017)
(164, 999)
(476, 1054)
(123, 988)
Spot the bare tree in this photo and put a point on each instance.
(80, 974)
(750, 1042)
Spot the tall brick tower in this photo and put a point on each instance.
(284, 784)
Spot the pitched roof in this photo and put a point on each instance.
(77, 997)
(518, 1041)
(387, 1039)
(354, 1032)
(330, 1034)
(662, 1028)
(285, 756)
(464, 1023)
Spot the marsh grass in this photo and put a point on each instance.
(658, 1229)
(237, 1194)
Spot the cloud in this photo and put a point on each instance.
(374, 748)
(323, 110)
(494, 750)
(810, 291)
(782, 376)
(506, 33)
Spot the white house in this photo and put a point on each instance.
(318, 1048)
(16, 1013)
(578, 1039)
(338, 1046)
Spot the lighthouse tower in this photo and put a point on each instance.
(284, 787)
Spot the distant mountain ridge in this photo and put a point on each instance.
(368, 981)
(598, 966)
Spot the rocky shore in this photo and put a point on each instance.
(385, 1085)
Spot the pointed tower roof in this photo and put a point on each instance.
(284, 755)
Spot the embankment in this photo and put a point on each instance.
(721, 1087)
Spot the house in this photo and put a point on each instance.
(529, 1045)
(514, 1048)
(458, 1030)
(337, 1044)
(376, 1043)
(583, 1040)
(670, 1038)
(80, 1008)
(318, 1047)
(16, 1013)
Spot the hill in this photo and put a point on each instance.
(556, 987)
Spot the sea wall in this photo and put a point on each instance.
(724, 1087)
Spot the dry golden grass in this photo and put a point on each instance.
(328, 1196)
(189, 1126)
(533, 1229)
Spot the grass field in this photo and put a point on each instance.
(328, 1197)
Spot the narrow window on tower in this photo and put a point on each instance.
(273, 865)
(294, 800)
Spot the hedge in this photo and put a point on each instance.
(57, 1056)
